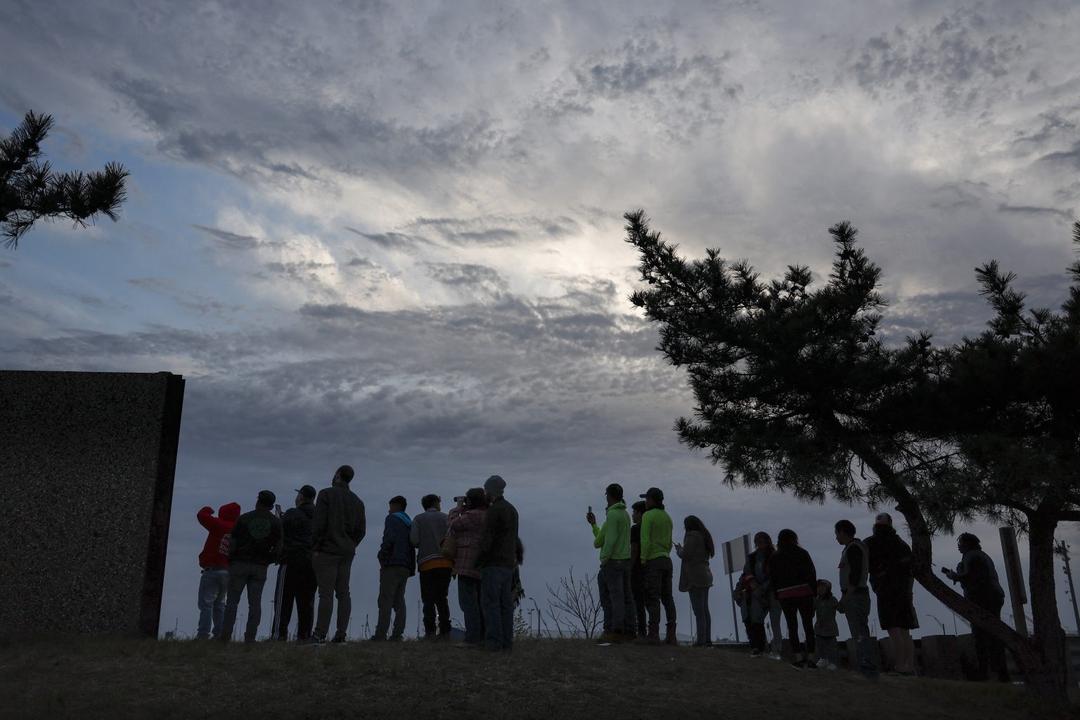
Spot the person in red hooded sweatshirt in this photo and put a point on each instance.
(214, 560)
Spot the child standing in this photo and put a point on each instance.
(825, 628)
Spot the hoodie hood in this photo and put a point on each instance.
(403, 518)
(229, 511)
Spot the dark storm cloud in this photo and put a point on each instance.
(392, 240)
(1035, 210)
(230, 240)
(467, 276)
(1069, 159)
(495, 231)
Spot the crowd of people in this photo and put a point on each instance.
(316, 541)
(778, 583)
(477, 543)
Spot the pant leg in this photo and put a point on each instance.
(699, 605)
(442, 599)
(806, 612)
(256, 580)
(387, 589)
(326, 567)
(207, 595)
(288, 596)
(605, 596)
(827, 649)
(221, 584)
(775, 623)
(653, 580)
(637, 588)
(857, 612)
(489, 599)
(237, 581)
(305, 599)
(791, 617)
(629, 607)
(469, 600)
(706, 625)
(427, 600)
(400, 610)
(756, 632)
(342, 576)
(506, 604)
(666, 595)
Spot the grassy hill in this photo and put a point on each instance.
(90, 678)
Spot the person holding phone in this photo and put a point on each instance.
(613, 579)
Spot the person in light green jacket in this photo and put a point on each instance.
(656, 559)
(613, 579)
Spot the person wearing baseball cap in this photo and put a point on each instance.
(300, 584)
(656, 562)
(255, 543)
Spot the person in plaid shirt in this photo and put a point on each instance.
(465, 529)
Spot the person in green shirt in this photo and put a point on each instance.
(656, 561)
(613, 580)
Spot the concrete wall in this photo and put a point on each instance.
(86, 473)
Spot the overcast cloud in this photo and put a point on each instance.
(390, 234)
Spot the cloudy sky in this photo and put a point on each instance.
(390, 234)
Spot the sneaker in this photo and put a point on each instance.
(775, 656)
(755, 653)
(313, 640)
(798, 664)
(339, 638)
(831, 666)
(376, 638)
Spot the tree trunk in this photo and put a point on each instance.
(1047, 634)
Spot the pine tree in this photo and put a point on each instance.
(30, 189)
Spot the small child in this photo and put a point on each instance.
(825, 628)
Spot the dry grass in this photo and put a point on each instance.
(90, 678)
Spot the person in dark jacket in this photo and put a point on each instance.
(695, 577)
(498, 560)
(339, 526)
(854, 600)
(214, 561)
(979, 579)
(761, 600)
(427, 533)
(893, 583)
(300, 584)
(397, 563)
(255, 543)
(794, 578)
(637, 573)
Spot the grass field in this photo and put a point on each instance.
(549, 679)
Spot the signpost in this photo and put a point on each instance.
(735, 553)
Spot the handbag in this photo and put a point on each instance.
(449, 547)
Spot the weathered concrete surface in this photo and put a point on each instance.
(86, 472)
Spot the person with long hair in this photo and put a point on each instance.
(761, 597)
(795, 579)
(695, 577)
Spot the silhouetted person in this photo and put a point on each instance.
(255, 542)
(893, 583)
(613, 579)
(794, 578)
(214, 561)
(656, 561)
(463, 536)
(397, 563)
(637, 573)
(761, 600)
(498, 561)
(300, 584)
(427, 533)
(695, 577)
(979, 579)
(825, 628)
(340, 525)
(855, 595)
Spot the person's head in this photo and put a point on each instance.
(654, 498)
(966, 542)
(639, 510)
(343, 476)
(305, 494)
(475, 499)
(265, 500)
(613, 493)
(845, 532)
(494, 487)
(398, 504)
(787, 539)
(693, 523)
(762, 541)
(883, 519)
(824, 588)
(431, 502)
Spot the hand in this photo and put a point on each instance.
(590, 518)
(678, 548)
(949, 574)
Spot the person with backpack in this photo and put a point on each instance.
(463, 546)
(760, 598)
(397, 563)
(893, 584)
(426, 535)
(656, 562)
(613, 578)
(855, 596)
(979, 579)
(255, 543)
(299, 584)
(339, 527)
(214, 561)
(794, 578)
(695, 577)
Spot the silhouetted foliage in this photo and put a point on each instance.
(574, 606)
(30, 189)
(795, 389)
